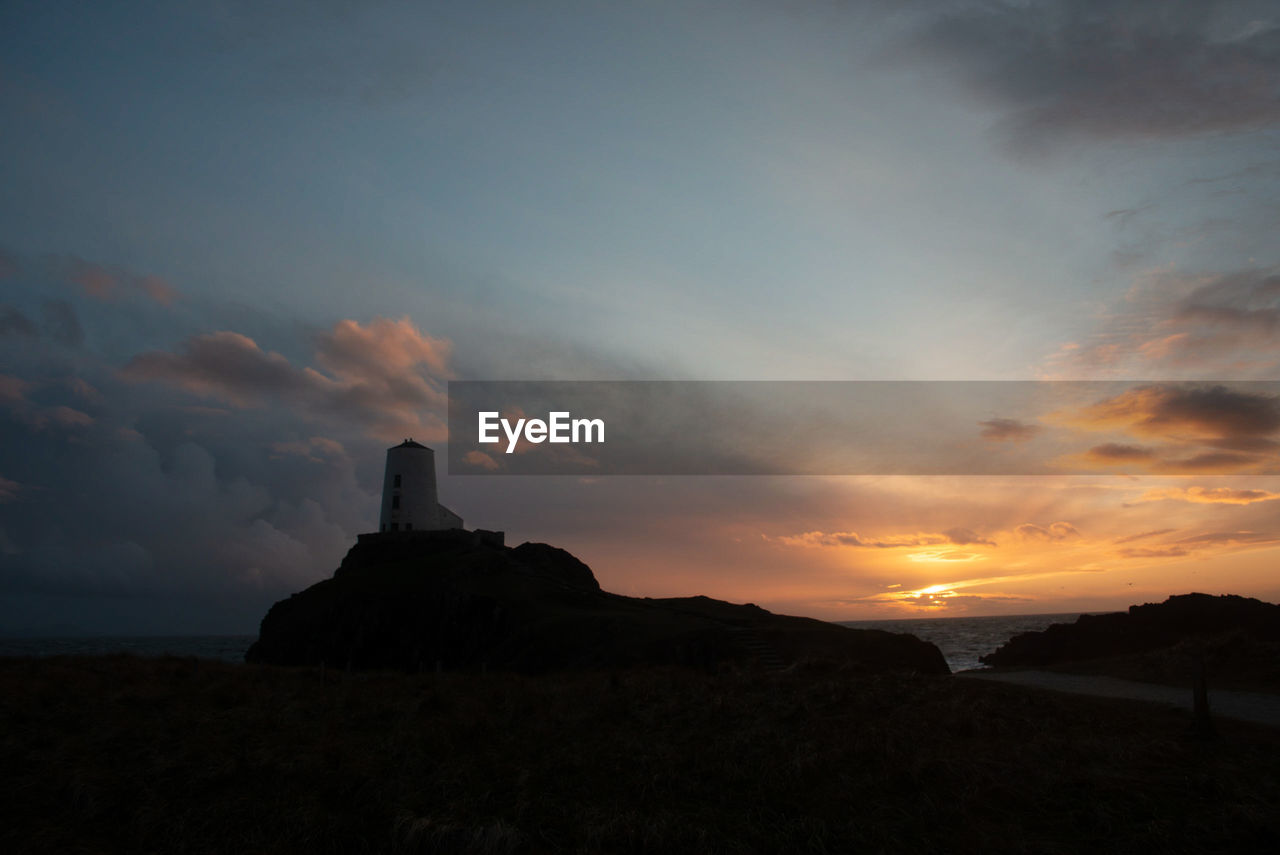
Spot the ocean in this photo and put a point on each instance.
(961, 639)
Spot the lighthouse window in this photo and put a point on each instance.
(397, 483)
(395, 503)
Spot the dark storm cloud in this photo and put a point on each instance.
(119, 495)
(1144, 69)
(147, 500)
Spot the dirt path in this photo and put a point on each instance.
(1245, 706)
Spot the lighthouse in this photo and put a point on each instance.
(409, 498)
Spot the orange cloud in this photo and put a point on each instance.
(1053, 532)
(11, 388)
(1209, 541)
(8, 489)
(1144, 534)
(157, 289)
(1209, 495)
(103, 284)
(383, 347)
(479, 458)
(386, 374)
(68, 417)
(958, 536)
(95, 281)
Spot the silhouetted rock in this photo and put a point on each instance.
(461, 600)
(1182, 628)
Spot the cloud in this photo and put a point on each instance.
(1001, 430)
(1223, 462)
(223, 364)
(61, 323)
(1228, 538)
(12, 389)
(1201, 542)
(68, 417)
(482, 460)
(385, 375)
(1100, 70)
(1212, 325)
(1057, 531)
(1156, 410)
(1114, 452)
(1156, 552)
(1143, 535)
(16, 396)
(8, 489)
(958, 536)
(963, 536)
(13, 322)
(385, 348)
(1209, 495)
(1202, 428)
(157, 289)
(315, 449)
(102, 283)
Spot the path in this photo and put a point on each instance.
(1245, 706)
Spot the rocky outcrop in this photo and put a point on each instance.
(1181, 629)
(462, 601)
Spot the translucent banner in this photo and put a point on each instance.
(863, 427)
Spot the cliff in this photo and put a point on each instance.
(467, 602)
(1236, 638)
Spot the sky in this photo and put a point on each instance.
(245, 246)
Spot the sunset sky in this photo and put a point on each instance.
(244, 246)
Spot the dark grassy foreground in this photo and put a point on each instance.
(119, 754)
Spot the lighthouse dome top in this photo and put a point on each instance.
(409, 443)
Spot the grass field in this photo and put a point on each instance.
(119, 754)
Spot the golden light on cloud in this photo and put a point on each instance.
(978, 546)
(1209, 495)
(944, 556)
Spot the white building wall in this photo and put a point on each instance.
(411, 502)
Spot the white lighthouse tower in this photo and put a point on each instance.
(409, 499)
